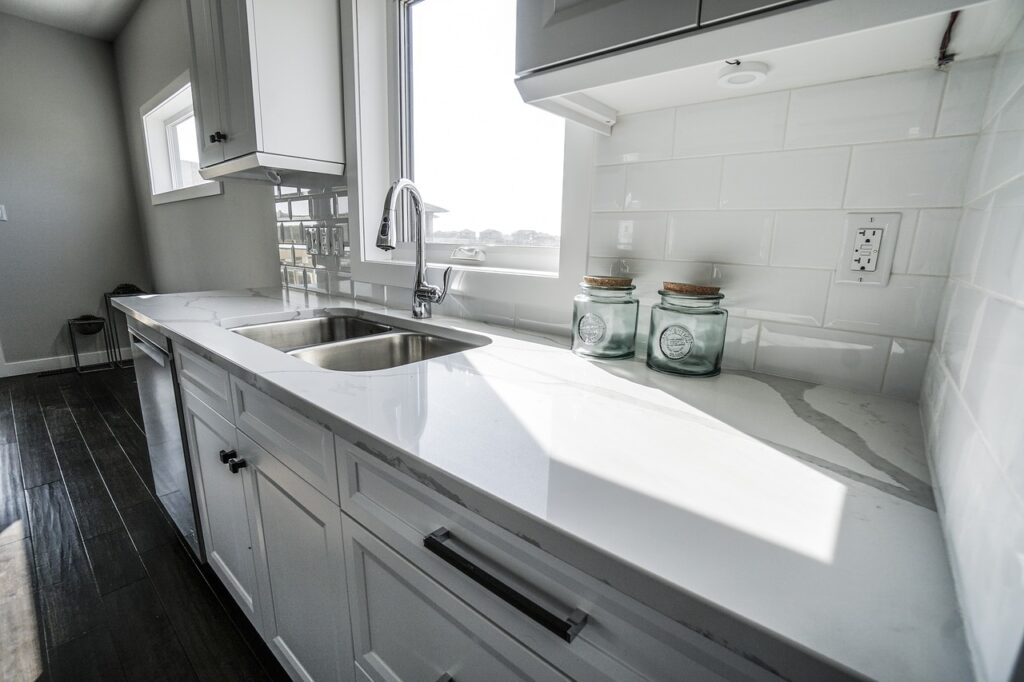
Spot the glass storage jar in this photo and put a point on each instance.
(604, 318)
(687, 331)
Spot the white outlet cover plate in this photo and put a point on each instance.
(847, 271)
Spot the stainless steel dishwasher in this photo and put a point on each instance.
(165, 435)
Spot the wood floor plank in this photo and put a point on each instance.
(70, 608)
(8, 434)
(147, 526)
(38, 461)
(143, 637)
(114, 561)
(90, 658)
(129, 435)
(59, 552)
(13, 510)
(93, 506)
(215, 648)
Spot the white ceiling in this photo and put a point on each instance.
(101, 19)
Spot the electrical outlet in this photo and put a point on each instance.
(3, 213)
(866, 245)
(869, 248)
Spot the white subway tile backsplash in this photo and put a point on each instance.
(767, 293)
(918, 174)
(897, 106)
(808, 239)
(823, 355)
(673, 185)
(627, 235)
(797, 179)
(963, 105)
(973, 223)
(752, 194)
(905, 370)
(638, 137)
(732, 126)
(609, 190)
(1004, 157)
(908, 307)
(740, 343)
(905, 241)
(1008, 76)
(965, 307)
(720, 236)
(994, 381)
(999, 264)
(934, 239)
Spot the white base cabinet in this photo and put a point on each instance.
(408, 628)
(223, 502)
(300, 567)
(323, 547)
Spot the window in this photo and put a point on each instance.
(172, 148)
(488, 165)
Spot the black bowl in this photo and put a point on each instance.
(88, 325)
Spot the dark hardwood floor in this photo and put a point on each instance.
(95, 583)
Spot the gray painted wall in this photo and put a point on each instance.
(66, 182)
(220, 242)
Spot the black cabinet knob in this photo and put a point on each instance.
(213, 138)
(226, 455)
(218, 137)
(236, 464)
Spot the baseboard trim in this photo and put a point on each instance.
(13, 369)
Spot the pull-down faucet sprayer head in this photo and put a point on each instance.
(386, 237)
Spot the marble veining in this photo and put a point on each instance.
(757, 510)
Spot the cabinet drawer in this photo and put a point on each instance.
(302, 445)
(407, 627)
(621, 640)
(206, 380)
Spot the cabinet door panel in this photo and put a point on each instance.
(237, 102)
(553, 31)
(204, 28)
(223, 507)
(301, 570)
(406, 627)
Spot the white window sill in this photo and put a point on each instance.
(206, 189)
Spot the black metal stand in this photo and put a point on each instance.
(80, 325)
(119, 290)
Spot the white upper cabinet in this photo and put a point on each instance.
(550, 32)
(266, 82)
(591, 61)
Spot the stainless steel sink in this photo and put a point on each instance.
(314, 331)
(384, 351)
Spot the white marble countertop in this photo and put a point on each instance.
(797, 510)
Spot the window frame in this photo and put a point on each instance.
(160, 146)
(374, 129)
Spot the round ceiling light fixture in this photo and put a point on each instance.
(737, 74)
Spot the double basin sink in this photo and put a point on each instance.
(350, 340)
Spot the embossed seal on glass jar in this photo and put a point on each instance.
(604, 317)
(687, 330)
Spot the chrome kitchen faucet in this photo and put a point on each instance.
(423, 294)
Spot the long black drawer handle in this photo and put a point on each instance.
(566, 628)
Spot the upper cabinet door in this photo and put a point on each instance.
(717, 10)
(552, 31)
(237, 104)
(206, 64)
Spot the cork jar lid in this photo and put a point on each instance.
(690, 289)
(608, 282)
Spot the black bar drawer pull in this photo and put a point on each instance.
(566, 628)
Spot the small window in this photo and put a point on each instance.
(493, 190)
(172, 147)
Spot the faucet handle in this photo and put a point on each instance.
(446, 280)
